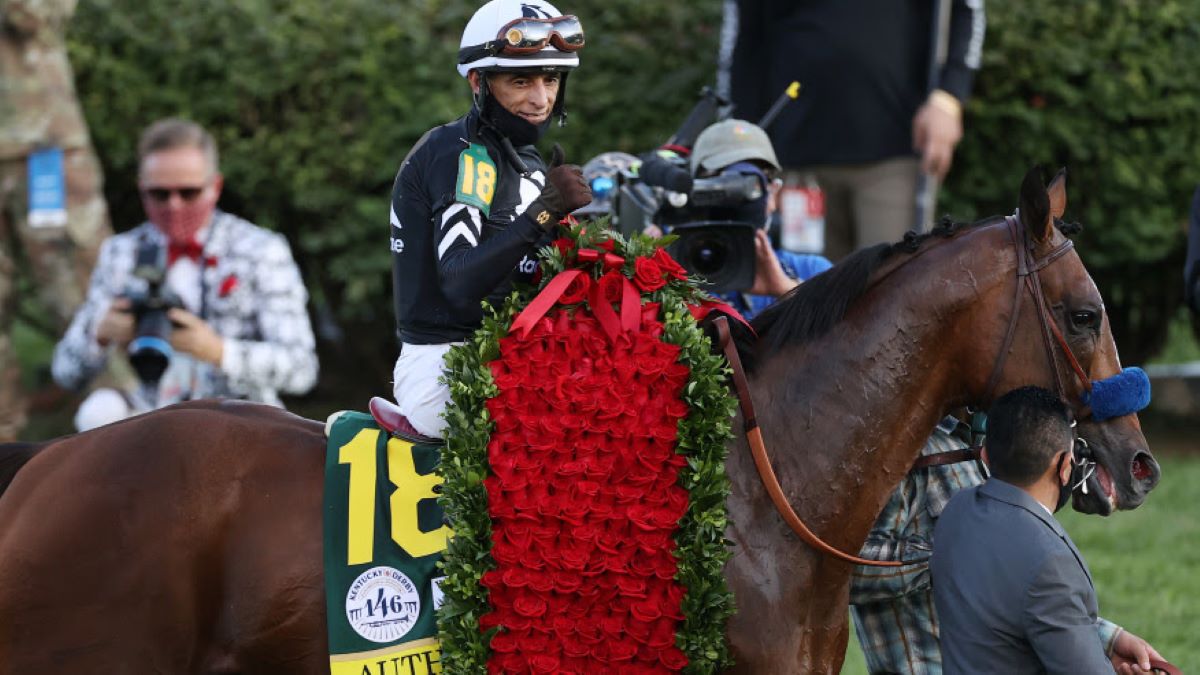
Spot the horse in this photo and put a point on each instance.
(187, 540)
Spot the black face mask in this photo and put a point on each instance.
(513, 127)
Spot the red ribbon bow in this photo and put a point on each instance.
(185, 249)
(630, 318)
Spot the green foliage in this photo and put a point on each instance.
(464, 499)
(1108, 89)
(701, 545)
(314, 105)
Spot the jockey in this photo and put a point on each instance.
(473, 200)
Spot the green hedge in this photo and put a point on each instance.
(1109, 89)
(315, 104)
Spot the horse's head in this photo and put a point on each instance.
(1060, 318)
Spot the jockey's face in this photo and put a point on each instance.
(530, 96)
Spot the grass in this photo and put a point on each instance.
(1182, 345)
(1145, 564)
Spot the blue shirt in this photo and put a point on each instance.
(799, 266)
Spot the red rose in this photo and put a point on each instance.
(547, 663)
(668, 264)
(607, 245)
(577, 290)
(622, 650)
(673, 658)
(504, 642)
(663, 635)
(611, 286)
(530, 605)
(564, 245)
(648, 275)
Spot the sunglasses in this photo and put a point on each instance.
(528, 36)
(163, 194)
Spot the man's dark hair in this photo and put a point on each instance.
(1027, 427)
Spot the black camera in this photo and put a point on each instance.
(150, 351)
(714, 219)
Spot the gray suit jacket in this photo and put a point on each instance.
(1013, 594)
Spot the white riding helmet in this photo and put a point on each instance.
(482, 46)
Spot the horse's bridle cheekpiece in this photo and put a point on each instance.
(1122, 394)
(1125, 393)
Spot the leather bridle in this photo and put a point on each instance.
(1027, 277)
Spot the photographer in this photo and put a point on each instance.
(206, 303)
(739, 147)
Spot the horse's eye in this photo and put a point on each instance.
(1083, 319)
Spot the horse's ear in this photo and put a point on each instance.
(1035, 205)
(1057, 190)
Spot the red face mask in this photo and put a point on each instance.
(177, 218)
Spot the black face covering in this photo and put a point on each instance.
(514, 127)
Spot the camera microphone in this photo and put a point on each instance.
(660, 172)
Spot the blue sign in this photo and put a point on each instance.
(47, 189)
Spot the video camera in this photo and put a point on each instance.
(713, 218)
(150, 351)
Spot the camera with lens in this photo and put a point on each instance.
(713, 219)
(150, 351)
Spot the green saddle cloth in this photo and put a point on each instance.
(384, 537)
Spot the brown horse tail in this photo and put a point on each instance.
(13, 456)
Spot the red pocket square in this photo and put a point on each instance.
(227, 285)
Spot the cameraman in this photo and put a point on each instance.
(231, 291)
(736, 146)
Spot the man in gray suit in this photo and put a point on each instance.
(1013, 593)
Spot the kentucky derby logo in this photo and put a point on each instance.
(383, 604)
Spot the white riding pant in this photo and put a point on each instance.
(104, 406)
(419, 393)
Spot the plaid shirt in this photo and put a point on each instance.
(250, 292)
(892, 607)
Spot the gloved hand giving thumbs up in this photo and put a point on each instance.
(565, 191)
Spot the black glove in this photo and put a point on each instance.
(565, 191)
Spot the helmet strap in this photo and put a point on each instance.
(560, 104)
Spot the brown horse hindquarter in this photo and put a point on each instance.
(193, 554)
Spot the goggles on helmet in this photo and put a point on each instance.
(525, 36)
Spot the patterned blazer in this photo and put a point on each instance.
(252, 295)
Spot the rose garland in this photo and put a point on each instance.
(583, 441)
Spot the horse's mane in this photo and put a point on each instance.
(13, 456)
(814, 307)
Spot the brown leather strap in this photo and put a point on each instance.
(1027, 276)
(947, 457)
(739, 374)
(1062, 342)
(766, 473)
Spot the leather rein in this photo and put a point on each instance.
(1027, 277)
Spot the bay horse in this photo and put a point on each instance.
(188, 540)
